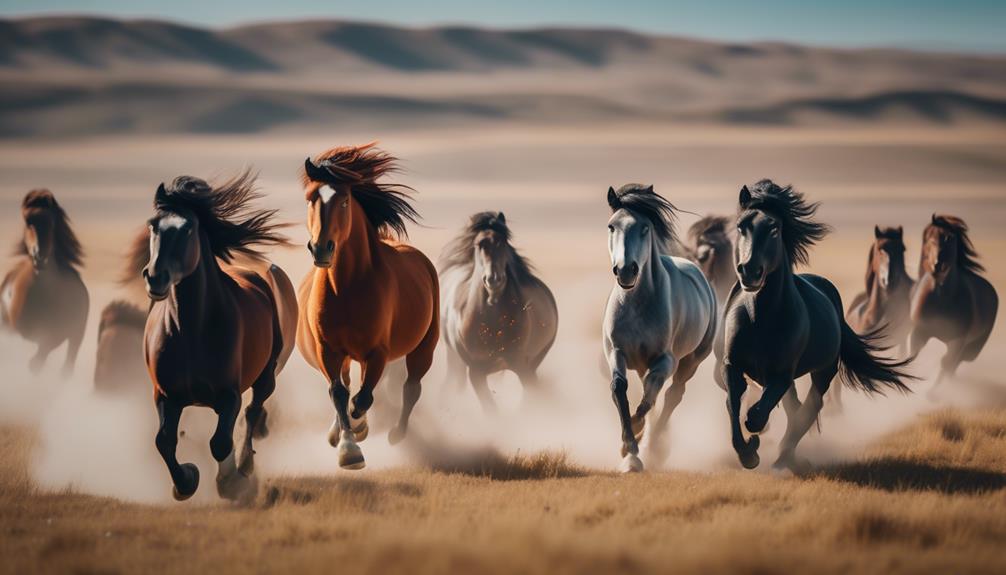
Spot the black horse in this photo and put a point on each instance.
(779, 325)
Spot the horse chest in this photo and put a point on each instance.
(495, 334)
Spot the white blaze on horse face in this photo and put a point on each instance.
(171, 221)
(326, 193)
(884, 273)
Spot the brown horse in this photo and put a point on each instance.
(214, 329)
(43, 298)
(951, 302)
(710, 246)
(119, 358)
(370, 299)
(888, 292)
(496, 313)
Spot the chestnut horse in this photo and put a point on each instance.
(709, 246)
(43, 298)
(496, 313)
(214, 329)
(951, 302)
(369, 299)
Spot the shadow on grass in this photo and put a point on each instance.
(489, 463)
(898, 475)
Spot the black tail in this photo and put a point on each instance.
(861, 368)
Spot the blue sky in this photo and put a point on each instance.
(968, 25)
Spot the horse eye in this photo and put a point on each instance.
(646, 230)
(611, 228)
(345, 203)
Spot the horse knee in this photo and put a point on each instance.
(619, 385)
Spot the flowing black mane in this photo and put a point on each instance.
(967, 257)
(225, 213)
(460, 252)
(645, 202)
(66, 249)
(387, 206)
(799, 231)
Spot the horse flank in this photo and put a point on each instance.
(387, 206)
(67, 251)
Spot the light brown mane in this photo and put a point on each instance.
(967, 257)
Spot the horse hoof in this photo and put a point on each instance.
(750, 459)
(189, 483)
(396, 435)
(333, 434)
(360, 429)
(351, 456)
(631, 464)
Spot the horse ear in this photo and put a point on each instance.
(876, 231)
(161, 194)
(501, 217)
(649, 189)
(314, 172)
(613, 202)
(745, 197)
(901, 232)
(934, 218)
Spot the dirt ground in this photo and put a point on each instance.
(900, 484)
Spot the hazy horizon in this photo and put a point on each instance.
(972, 26)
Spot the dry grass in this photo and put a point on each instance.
(926, 499)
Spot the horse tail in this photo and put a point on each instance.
(860, 366)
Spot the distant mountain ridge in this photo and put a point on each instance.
(81, 75)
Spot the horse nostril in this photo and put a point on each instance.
(310, 248)
(330, 246)
(614, 270)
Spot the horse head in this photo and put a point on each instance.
(174, 249)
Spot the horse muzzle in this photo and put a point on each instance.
(626, 275)
(323, 255)
(157, 286)
(751, 278)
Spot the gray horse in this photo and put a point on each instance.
(660, 320)
(495, 313)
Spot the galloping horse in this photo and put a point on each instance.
(369, 299)
(43, 298)
(660, 319)
(119, 360)
(779, 325)
(214, 329)
(885, 302)
(709, 246)
(496, 314)
(951, 302)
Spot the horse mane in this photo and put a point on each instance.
(644, 201)
(224, 213)
(708, 225)
(799, 231)
(121, 312)
(137, 257)
(459, 253)
(67, 250)
(387, 206)
(967, 257)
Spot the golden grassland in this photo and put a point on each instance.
(928, 498)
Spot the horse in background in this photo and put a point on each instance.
(119, 365)
(951, 302)
(710, 246)
(496, 314)
(370, 299)
(214, 329)
(780, 325)
(660, 319)
(43, 298)
(886, 300)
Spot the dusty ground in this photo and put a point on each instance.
(82, 488)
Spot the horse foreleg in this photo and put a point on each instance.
(340, 435)
(72, 348)
(185, 477)
(747, 451)
(776, 387)
(657, 373)
(372, 372)
(948, 367)
(37, 361)
(800, 418)
(477, 376)
(619, 387)
(256, 417)
(230, 483)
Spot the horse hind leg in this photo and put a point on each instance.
(800, 417)
(417, 363)
(256, 417)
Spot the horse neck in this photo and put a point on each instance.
(770, 297)
(356, 259)
(199, 291)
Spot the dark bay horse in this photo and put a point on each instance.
(495, 312)
(43, 298)
(885, 302)
(369, 299)
(780, 325)
(214, 330)
(951, 302)
(119, 361)
(710, 246)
